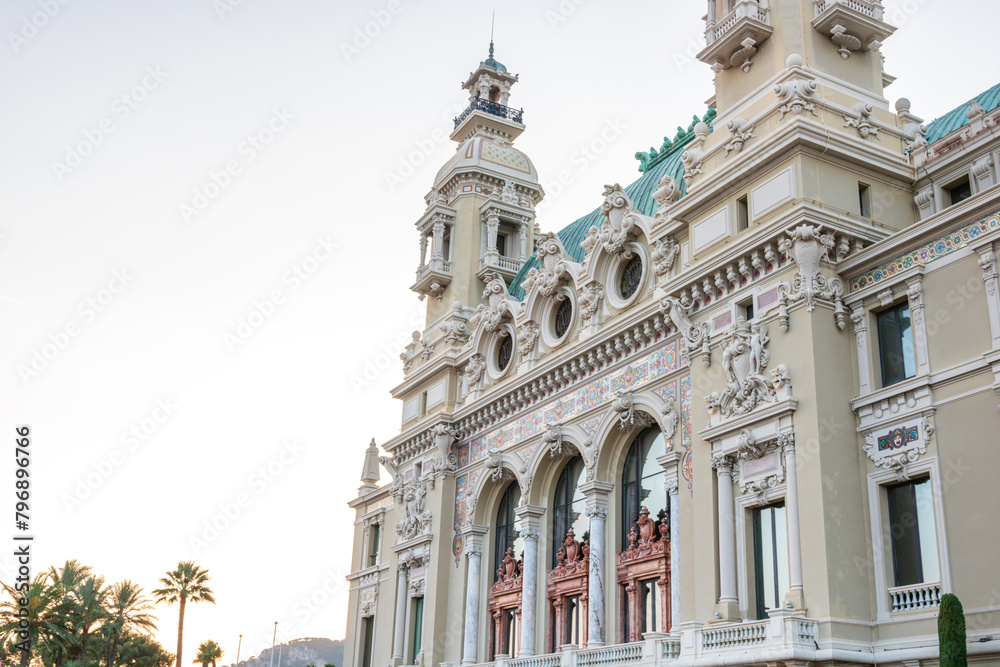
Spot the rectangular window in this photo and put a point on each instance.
(648, 605)
(368, 640)
(418, 627)
(573, 620)
(913, 533)
(745, 310)
(742, 214)
(865, 200)
(502, 245)
(895, 344)
(374, 544)
(770, 550)
(959, 191)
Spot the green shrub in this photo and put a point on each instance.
(951, 632)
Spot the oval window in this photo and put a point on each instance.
(631, 277)
(505, 350)
(564, 315)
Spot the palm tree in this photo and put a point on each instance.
(47, 617)
(208, 653)
(127, 610)
(186, 583)
(90, 598)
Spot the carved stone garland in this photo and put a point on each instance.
(807, 245)
(412, 495)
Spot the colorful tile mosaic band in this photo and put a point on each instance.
(653, 366)
(943, 246)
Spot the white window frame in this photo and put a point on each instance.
(882, 545)
(746, 503)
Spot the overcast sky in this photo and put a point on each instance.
(206, 243)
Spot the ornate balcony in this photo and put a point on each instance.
(733, 41)
(492, 108)
(915, 598)
(853, 25)
(492, 263)
(432, 278)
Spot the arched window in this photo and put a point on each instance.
(642, 481)
(507, 535)
(568, 506)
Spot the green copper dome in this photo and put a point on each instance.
(492, 62)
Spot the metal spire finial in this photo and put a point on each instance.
(492, 24)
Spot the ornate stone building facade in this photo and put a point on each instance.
(745, 412)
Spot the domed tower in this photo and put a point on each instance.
(481, 210)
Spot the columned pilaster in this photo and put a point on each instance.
(915, 295)
(522, 241)
(492, 228)
(795, 593)
(728, 606)
(399, 638)
(531, 523)
(988, 263)
(859, 316)
(437, 252)
(473, 538)
(596, 494)
(423, 250)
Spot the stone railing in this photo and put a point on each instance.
(744, 9)
(670, 649)
(805, 630)
(549, 660)
(870, 9)
(915, 598)
(606, 656)
(735, 636)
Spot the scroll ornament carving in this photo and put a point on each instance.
(664, 254)
(590, 300)
(796, 96)
(630, 418)
(807, 245)
(494, 466)
(417, 520)
(508, 195)
(697, 338)
(474, 369)
(694, 157)
(410, 352)
(743, 359)
(553, 438)
(553, 270)
(454, 330)
(596, 512)
(527, 336)
(668, 190)
(860, 120)
(497, 306)
(742, 132)
(621, 226)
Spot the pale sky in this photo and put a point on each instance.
(258, 329)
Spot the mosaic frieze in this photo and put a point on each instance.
(924, 254)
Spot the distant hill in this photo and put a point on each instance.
(309, 652)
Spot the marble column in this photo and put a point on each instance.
(530, 517)
(473, 536)
(522, 240)
(710, 24)
(728, 607)
(596, 494)
(795, 594)
(399, 638)
(671, 468)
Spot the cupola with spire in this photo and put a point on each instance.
(480, 215)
